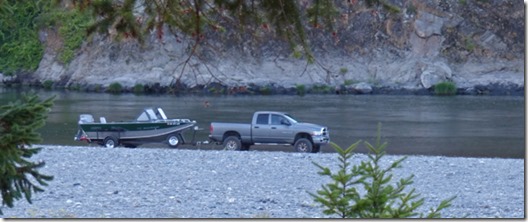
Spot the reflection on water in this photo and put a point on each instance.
(476, 126)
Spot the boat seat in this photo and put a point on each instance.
(86, 118)
(102, 119)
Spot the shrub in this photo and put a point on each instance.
(445, 89)
(20, 48)
(322, 89)
(265, 90)
(47, 84)
(300, 89)
(139, 88)
(115, 87)
(382, 200)
(349, 82)
(343, 70)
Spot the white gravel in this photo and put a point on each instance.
(93, 182)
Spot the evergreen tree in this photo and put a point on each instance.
(18, 124)
(383, 198)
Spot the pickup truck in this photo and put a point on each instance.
(273, 128)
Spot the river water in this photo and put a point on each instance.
(468, 126)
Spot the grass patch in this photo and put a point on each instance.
(300, 89)
(445, 89)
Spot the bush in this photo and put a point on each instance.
(115, 88)
(20, 48)
(300, 89)
(139, 88)
(48, 84)
(445, 89)
(382, 200)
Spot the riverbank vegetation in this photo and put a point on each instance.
(445, 89)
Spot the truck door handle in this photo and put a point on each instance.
(273, 127)
(256, 127)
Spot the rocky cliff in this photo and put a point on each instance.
(478, 45)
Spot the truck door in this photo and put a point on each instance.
(260, 128)
(279, 129)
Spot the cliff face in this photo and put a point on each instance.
(472, 43)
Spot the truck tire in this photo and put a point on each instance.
(174, 140)
(303, 145)
(232, 143)
(110, 142)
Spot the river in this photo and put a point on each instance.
(466, 126)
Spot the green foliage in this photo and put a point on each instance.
(411, 9)
(445, 89)
(115, 88)
(139, 88)
(343, 70)
(72, 25)
(349, 82)
(384, 198)
(200, 19)
(469, 44)
(321, 89)
(324, 10)
(18, 124)
(48, 84)
(20, 48)
(300, 89)
(265, 90)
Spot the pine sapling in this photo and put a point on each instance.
(380, 197)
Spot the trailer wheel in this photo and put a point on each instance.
(173, 140)
(303, 145)
(110, 142)
(232, 143)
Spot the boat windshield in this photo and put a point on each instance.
(147, 115)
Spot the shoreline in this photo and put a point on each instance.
(215, 89)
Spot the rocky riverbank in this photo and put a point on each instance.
(93, 182)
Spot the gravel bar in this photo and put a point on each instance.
(95, 182)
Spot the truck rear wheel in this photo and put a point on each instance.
(303, 145)
(232, 143)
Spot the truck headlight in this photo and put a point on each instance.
(317, 133)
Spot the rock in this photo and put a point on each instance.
(435, 73)
(428, 24)
(362, 88)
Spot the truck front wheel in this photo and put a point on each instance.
(232, 143)
(303, 145)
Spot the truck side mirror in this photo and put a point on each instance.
(285, 122)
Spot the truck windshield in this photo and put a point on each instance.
(290, 118)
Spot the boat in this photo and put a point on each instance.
(151, 126)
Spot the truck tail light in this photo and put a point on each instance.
(211, 129)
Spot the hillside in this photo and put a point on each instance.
(477, 44)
